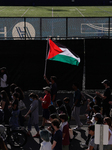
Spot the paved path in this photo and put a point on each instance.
(80, 137)
(34, 143)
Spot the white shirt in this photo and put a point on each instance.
(3, 81)
(110, 140)
(45, 145)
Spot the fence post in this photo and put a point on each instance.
(40, 28)
(101, 138)
(66, 27)
(109, 29)
(83, 81)
(25, 26)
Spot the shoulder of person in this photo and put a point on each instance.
(35, 102)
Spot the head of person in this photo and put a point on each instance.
(52, 116)
(106, 82)
(33, 96)
(63, 117)
(53, 79)
(3, 70)
(98, 118)
(96, 108)
(59, 102)
(91, 104)
(46, 89)
(52, 109)
(4, 95)
(107, 121)
(16, 95)
(66, 100)
(75, 86)
(19, 90)
(55, 124)
(91, 130)
(12, 87)
(45, 135)
(97, 100)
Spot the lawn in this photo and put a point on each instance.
(56, 11)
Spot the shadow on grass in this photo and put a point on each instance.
(59, 10)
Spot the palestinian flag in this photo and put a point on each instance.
(60, 53)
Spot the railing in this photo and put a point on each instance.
(57, 28)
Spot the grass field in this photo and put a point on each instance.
(56, 11)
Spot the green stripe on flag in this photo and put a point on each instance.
(65, 59)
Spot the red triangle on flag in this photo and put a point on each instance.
(54, 49)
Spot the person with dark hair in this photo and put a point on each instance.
(92, 145)
(45, 136)
(64, 127)
(106, 97)
(57, 138)
(52, 109)
(13, 122)
(19, 90)
(51, 117)
(4, 104)
(11, 90)
(90, 113)
(50, 128)
(97, 101)
(53, 87)
(59, 103)
(98, 118)
(61, 107)
(46, 101)
(12, 87)
(89, 109)
(76, 106)
(68, 108)
(21, 104)
(33, 113)
(95, 109)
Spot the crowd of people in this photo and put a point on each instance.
(56, 113)
(99, 112)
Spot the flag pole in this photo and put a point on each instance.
(46, 57)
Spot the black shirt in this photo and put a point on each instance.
(53, 88)
(58, 138)
(77, 96)
(15, 102)
(107, 94)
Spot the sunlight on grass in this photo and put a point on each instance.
(58, 11)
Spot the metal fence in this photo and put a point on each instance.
(55, 2)
(57, 28)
